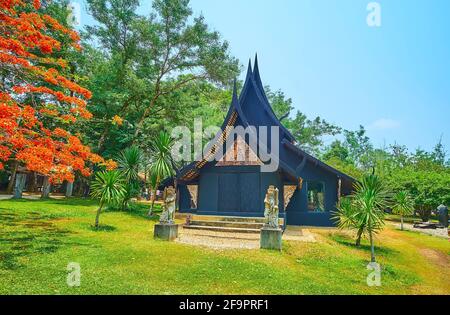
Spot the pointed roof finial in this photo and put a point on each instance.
(257, 77)
(249, 68)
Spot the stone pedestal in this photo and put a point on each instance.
(167, 232)
(270, 238)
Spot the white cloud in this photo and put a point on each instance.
(383, 124)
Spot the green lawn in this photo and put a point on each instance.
(39, 238)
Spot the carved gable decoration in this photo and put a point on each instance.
(193, 191)
(239, 153)
(289, 191)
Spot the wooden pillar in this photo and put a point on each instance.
(46, 188)
(19, 185)
(69, 189)
(339, 191)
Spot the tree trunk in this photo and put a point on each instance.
(19, 185)
(33, 184)
(14, 167)
(401, 224)
(97, 216)
(358, 237)
(372, 248)
(150, 212)
(46, 188)
(69, 189)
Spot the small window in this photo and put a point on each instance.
(316, 196)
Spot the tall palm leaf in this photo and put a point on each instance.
(163, 163)
(370, 199)
(403, 205)
(346, 217)
(129, 162)
(108, 187)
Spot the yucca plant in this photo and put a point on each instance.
(403, 205)
(129, 162)
(346, 217)
(364, 210)
(109, 188)
(370, 199)
(162, 161)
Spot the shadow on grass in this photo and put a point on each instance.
(28, 234)
(72, 201)
(103, 228)
(365, 246)
(139, 210)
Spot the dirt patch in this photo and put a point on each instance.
(228, 240)
(436, 257)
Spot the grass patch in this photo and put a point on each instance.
(38, 239)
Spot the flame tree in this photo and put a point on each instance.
(39, 100)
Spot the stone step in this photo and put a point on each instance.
(235, 224)
(198, 217)
(222, 229)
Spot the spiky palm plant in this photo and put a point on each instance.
(403, 205)
(370, 199)
(346, 217)
(109, 188)
(129, 162)
(162, 162)
(364, 210)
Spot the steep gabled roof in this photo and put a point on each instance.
(253, 84)
(252, 108)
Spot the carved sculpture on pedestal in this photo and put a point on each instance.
(168, 214)
(271, 207)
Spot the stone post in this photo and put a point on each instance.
(167, 232)
(270, 238)
(443, 215)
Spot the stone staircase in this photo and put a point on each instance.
(223, 223)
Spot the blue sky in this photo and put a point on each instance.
(393, 79)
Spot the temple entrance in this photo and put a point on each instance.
(239, 193)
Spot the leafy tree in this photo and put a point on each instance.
(162, 162)
(39, 98)
(142, 62)
(403, 205)
(359, 147)
(109, 188)
(308, 133)
(345, 167)
(281, 105)
(337, 150)
(439, 153)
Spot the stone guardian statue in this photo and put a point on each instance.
(271, 207)
(168, 213)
